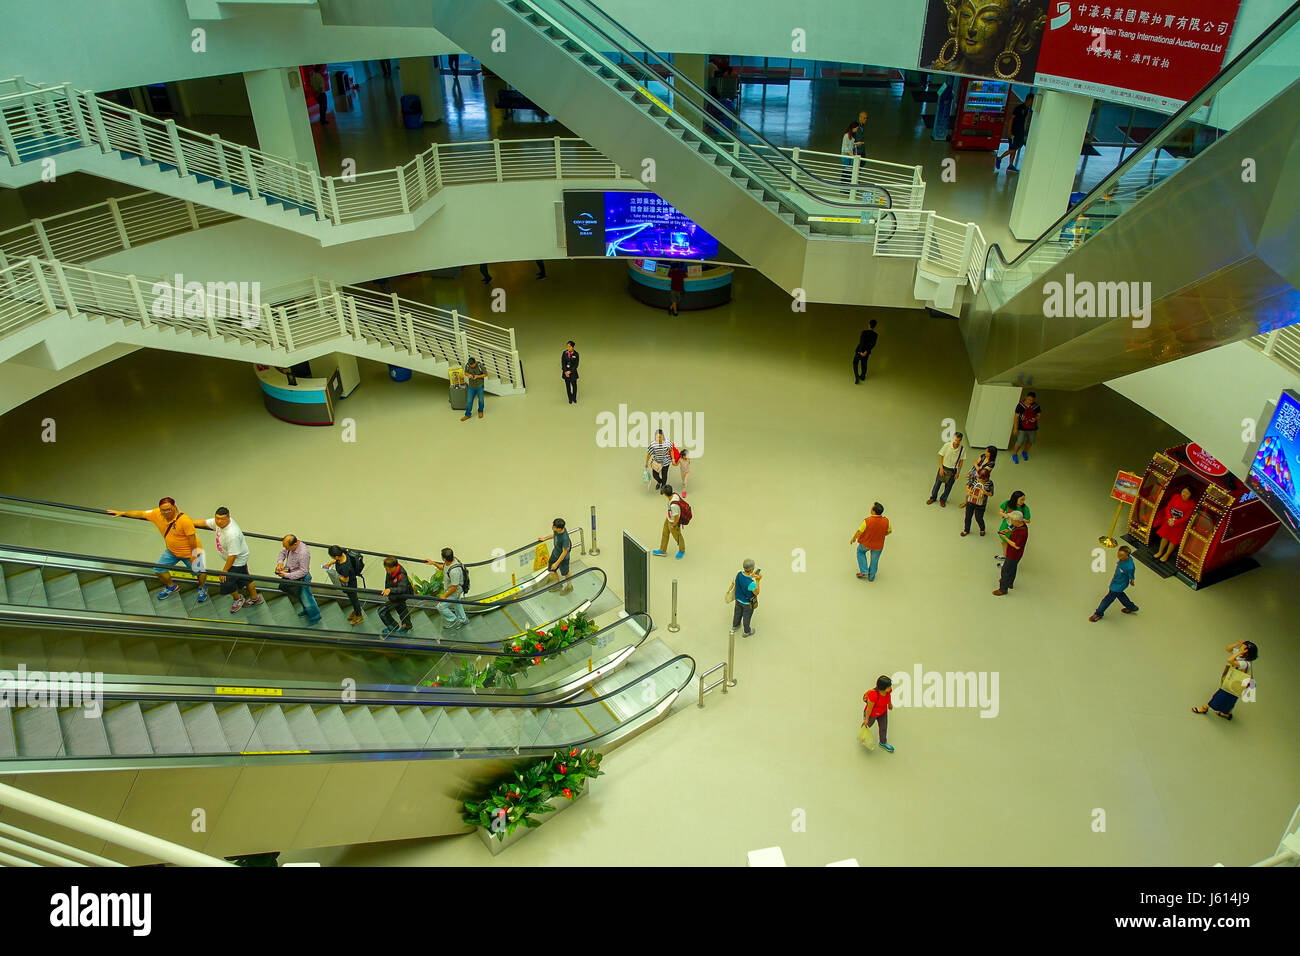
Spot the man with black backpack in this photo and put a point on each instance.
(455, 587)
(397, 588)
(679, 515)
(345, 567)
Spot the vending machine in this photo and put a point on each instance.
(981, 114)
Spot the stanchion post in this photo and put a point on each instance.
(731, 659)
(672, 625)
(1108, 540)
(593, 549)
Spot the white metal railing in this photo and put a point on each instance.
(1282, 345)
(939, 244)
(290, 319)
(33, 849)
(36, 121)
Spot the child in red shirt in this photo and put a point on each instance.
(878, 706)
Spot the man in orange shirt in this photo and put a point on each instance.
(180, 544)
(870, 538)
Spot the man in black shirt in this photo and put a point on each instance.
(342, 566)
(863, 352)
(569, 366)
(397, 587)
(1020, 117)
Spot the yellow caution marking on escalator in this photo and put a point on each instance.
(654, 99)
(253, 753)
(253, 691)
(834, 218)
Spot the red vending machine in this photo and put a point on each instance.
(981, 114)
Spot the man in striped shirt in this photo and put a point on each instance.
(660, 453)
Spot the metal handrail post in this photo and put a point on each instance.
(704, 689)
(672, 625)
(594, 548)
(731, 659)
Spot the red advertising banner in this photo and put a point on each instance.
(1126, 487)
(1155, 56)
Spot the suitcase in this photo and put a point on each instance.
(456, 395)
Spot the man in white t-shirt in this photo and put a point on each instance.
(232, 546)
(950, 458)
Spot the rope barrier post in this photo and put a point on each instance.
(672, 625)
(731, 659)
(593, 549)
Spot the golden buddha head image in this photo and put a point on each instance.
(992, 38)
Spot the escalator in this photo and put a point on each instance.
(286, 767)
(596, 77)
(1189, 244)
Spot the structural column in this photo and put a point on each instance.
(685, 100)
(1049, 163)
(280, 114)
(420, 75)
(988, 418)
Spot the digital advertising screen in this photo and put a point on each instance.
(1274, 473)
(635, 225)
(642, 225)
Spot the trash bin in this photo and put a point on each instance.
(399, 374)
(412, 111)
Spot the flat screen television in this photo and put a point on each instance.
(1276, 468)
(635, 225)
(642, 225)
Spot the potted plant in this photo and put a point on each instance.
(542, 787)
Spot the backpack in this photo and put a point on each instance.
(464, 593)
(358, 564)
(686, 513)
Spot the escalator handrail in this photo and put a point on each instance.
(1157, 139)
(369, 595)
(271, 537)
(707, 98)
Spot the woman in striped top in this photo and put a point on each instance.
(661, 453)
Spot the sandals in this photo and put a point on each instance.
(1200, 710)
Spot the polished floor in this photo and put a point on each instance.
(1093, 720)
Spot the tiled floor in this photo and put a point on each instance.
(1091, 718)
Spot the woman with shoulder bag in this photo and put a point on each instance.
(876, 712)
(1236, 677)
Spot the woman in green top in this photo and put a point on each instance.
(1015, 503)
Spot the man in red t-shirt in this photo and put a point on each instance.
(1016, 536)
(677, 286)
(878, 707)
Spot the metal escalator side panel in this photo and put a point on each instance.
(8, 741)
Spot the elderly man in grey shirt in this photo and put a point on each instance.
(950, 458)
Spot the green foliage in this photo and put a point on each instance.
(527, 650)
(430, 587)
(525, 794)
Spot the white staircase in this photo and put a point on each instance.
(53, 315)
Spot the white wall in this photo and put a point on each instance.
(1243, 380)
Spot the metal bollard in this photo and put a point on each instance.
(593, 549)
(672, 625)
(731, 659)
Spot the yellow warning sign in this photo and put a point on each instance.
(252, 691)
(653, 99)
(834, 218)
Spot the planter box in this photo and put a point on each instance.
(500, 846)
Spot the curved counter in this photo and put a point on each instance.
(301, 401)
(647, 281)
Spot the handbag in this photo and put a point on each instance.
(1234, 682)
(730, 596)
(867, 738)
(645, 476)
(541, 556)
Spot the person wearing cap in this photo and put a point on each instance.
(1015, 538)
(474, 376)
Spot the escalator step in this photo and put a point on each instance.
(417, 726)
(362, 724)
(37, 732)
(203, 728)
(335, 728)
(84, 736)
(391, 726)
(274, 730)
(167, 733)
(4, 591)
(332, 616)
(26, 588)
(306, 728)
(8, 744)
(240, 729)
(283, 612)
(126, 731)
(100, 595)
(134, 597)
(529, 727)
(443, 732)
(466, 729)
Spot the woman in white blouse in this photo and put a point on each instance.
(848, 146)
